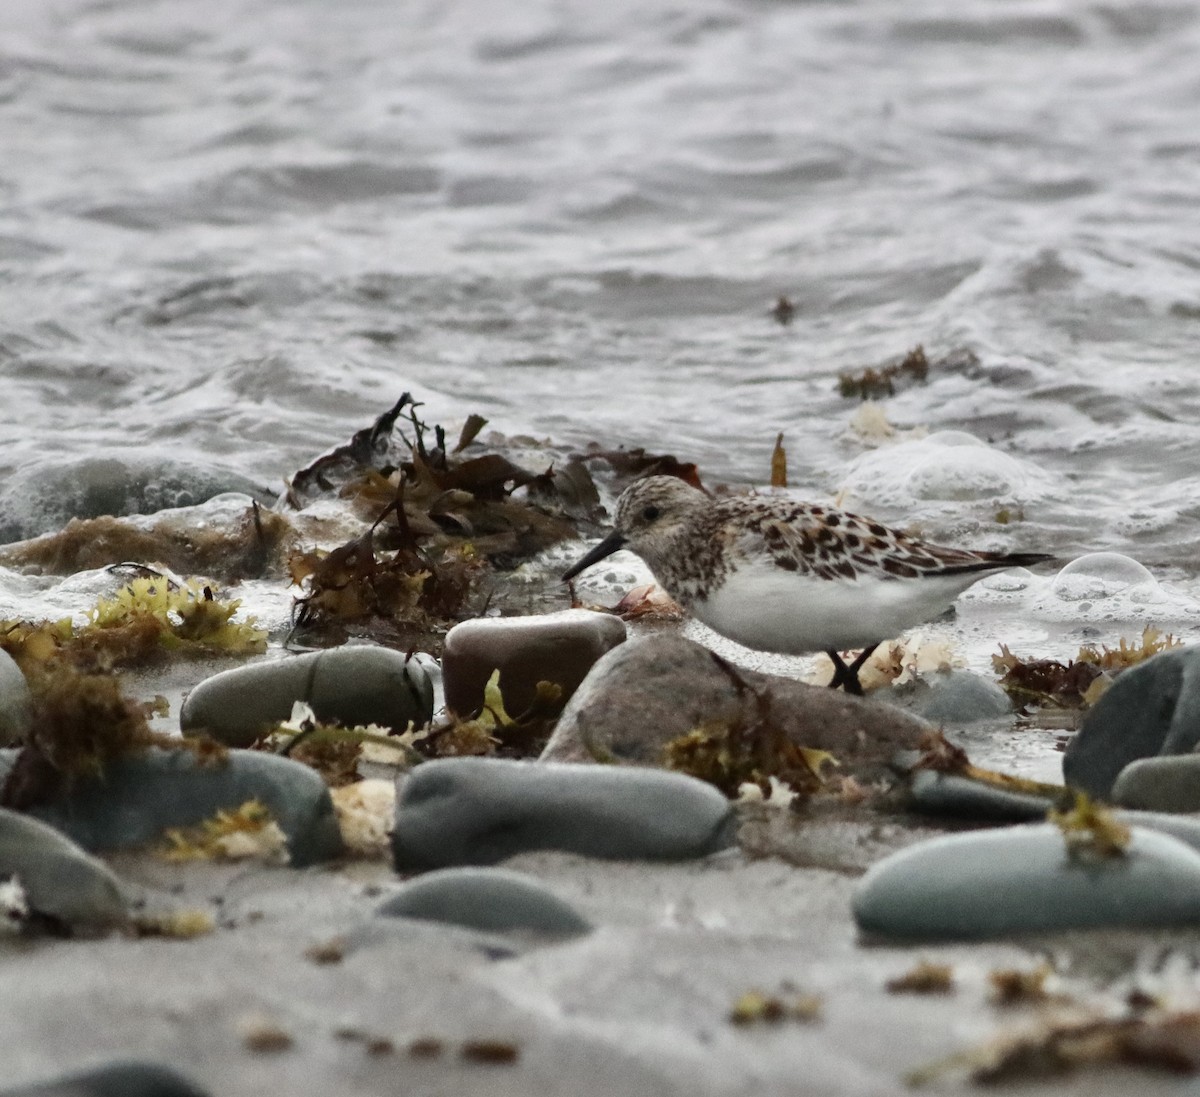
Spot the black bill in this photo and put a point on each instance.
(607, 547)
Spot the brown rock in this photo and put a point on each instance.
(552, 647)
(656, 688)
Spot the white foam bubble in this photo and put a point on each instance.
(950, 466)
(1110, 587)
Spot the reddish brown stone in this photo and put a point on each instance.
(552, 647)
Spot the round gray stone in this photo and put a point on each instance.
(355, 684)
(1150, 709)
(963, 798)
(120, 1079)
(954, 697)
(140, 796)
(59, 879)
(487, 899)
(1160, 784)
(1021, 879)
(477, 811)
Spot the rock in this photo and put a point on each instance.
(1021, 879)
(353, 684)
(953, 697)
(964, 798)
(15, 702)
(486, 899)
(120, 1079)
(1150, 709)
(139, 796)
(653, 689)
(1160, 784)
(59, 879)
(477, 811)
(43, 497)
(551, 647)
(1184, 827)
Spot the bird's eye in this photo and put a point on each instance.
(650, 513)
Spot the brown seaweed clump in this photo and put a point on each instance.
(1159, 1039)
(876, 381)
(442, 521)
(80, 723)
(494, 731)
(1080, 682)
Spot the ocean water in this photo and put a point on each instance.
(232, 233)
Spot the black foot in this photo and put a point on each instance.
(847, 676)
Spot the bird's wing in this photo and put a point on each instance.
(833, 544)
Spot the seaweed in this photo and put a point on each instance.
(188, 617)
(779, 475)
(146, 619)
(636, 463)
(783, 312)
(410, 587)
(332, 749)
(1014, 986)
(942, 756)
(255, 546)
(1090, 830)
(494, 730)
(872, 382)
(749, 749)
(756, 1007)
(1080, 682)
(449, 501)
(179, 924)
(924, 978)
(80, 723)
(245, 832)
(1161, 1039)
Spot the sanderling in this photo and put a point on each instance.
(777, 575)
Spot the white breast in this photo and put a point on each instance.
(769, 609)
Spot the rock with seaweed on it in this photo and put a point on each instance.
(228, 538)
(1086, 870)
(654, 690)
(137, 797)
(352, 685)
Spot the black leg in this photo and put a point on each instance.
(851, 684)
(839, 670)
(847, 676)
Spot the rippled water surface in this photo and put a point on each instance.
(232, 232)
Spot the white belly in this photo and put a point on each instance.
(769, 609)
